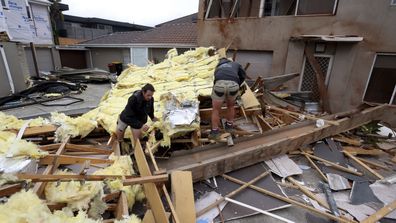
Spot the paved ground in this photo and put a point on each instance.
(91, 96)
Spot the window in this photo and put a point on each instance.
(260, 8)
(393, 2)
(308, 80)
(381, 86)
(4, 4)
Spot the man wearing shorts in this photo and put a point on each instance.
(140, 105)
(228, 77)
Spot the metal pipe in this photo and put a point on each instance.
(10, 81)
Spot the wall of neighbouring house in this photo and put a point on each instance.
(18, 68)
(373, 20)
(48, 59)
(101, 57)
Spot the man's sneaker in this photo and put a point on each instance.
(229, 127)
(214, 135)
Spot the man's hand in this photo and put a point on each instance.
(145, 128)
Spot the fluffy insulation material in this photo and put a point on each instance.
(186, 76)
(80, 126)
(26, 207)
(12, 122)
(131, 219)
(12, 147)
(77, 195)
(122, 166)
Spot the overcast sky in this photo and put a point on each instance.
(142, 12)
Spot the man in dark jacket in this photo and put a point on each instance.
(228, 77)
(140, 105)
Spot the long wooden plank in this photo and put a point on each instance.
(130, 180)
(231, 194)
(381, 213)
(40, 130)
(183, 195)
(66, 160)
(218, 159)
(288, 200)
(87, 148)
(375, 173)
(122, 207)
(150, 189)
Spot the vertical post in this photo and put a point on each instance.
(261, 12)
(34, 55)
(9, 76)
(208, 9)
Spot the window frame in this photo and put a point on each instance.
(369, 78)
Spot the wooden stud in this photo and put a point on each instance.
(380, 213)
(316, 167)
(308, 193)
(183, 195)
(66, 160)
(166, 193)
(363, 165)
(231, 194)
(373, 163)
(334, 165)
(150, 189)
(122, 207)
(288, 200)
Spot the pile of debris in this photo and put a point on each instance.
(74, 171)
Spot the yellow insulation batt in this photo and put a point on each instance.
(78, 195)
(12, 147)
(122, 166)
(26, 207)
(79, 126)
(186, 76)
(12, 122)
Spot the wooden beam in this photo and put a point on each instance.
(147, 179)
(380, 213)
(183, 195)
(122, 207)
(218, 159)
(150, 189)
(363, 165)
(87, 148)
(8, 190)
(307, 192)
(334, 165)
(39, 130)
(231, 194)
(288, 200)
(67, 160)
(313, 164)
(166, 193)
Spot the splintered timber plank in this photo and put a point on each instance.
(87, 148)
(183, 195)
(150, 189)
(122, 207)
(219, 159)
(66, 160)
(40, 130)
